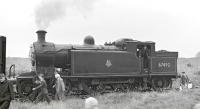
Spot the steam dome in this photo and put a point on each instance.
(89, 40)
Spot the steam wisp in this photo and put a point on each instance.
(51, 10)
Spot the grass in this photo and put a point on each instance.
(72, 103)
(172, 99)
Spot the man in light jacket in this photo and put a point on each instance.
(60, 87)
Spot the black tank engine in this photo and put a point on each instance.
(122, 65)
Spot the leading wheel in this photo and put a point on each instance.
(26, 87)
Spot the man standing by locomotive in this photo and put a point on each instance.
(184, 80)
(43, 94)
(6, 92)
(144, 54)
(60, 87)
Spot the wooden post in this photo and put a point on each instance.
(2, 54)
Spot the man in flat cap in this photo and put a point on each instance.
(43, 94)
(6, 92)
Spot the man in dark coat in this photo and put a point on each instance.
(144, 53)
(43, 94)
(6, 92)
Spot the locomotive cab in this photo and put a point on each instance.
(144, 52)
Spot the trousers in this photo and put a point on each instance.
(43, 97)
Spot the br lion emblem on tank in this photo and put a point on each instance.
(108, 63)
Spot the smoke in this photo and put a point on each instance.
(84, 6)
(51, 10)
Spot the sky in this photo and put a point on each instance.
(172, 24)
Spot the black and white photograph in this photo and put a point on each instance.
(99, 54)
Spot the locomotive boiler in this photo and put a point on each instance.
(122, 65)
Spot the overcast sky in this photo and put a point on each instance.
(173, 24)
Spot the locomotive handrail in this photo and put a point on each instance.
(54, 52)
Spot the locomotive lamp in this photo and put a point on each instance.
(41, 36)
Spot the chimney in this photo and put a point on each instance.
(41, 36)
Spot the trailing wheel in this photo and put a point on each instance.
(100, 88)
(168, 83)
(158, 84)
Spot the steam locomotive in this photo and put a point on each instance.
(122, 65)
